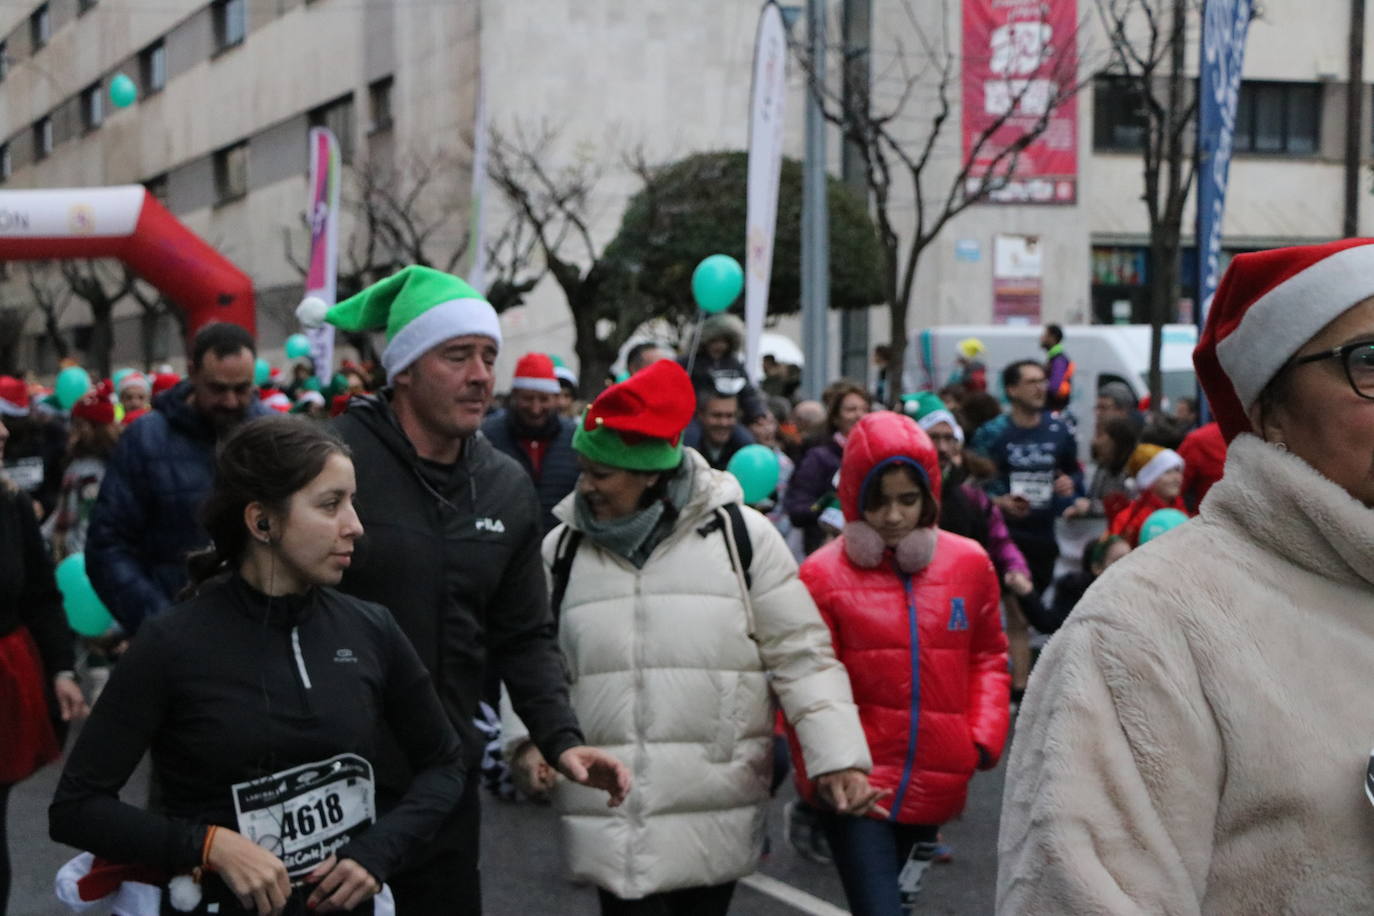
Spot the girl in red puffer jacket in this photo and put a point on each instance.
(914, 615)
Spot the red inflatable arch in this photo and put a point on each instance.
(128, 223)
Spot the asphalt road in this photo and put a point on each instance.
(521, 864)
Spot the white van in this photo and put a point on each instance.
(1101, 353)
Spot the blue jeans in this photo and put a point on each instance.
(869, 854)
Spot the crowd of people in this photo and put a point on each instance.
(330, 632)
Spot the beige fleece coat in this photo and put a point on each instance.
(666, 677)
(1195, 739)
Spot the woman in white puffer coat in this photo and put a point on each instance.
(672, 649)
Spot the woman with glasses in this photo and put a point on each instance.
(1196, 738)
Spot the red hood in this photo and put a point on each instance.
(882, 438)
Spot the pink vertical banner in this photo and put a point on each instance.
(1019, 59)
(321, 279)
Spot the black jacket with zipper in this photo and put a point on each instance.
(453, 552)
(231, 686)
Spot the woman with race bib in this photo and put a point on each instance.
(263, 699)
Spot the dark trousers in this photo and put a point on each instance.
(690, 901)
(444, 877)
(1041, 554)
(869, 855)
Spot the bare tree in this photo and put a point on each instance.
(51, 296)
(550, 218)
(156, 309)
(101, 285)
(902, 140)
(1147, 40)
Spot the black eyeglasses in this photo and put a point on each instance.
(1358, 360)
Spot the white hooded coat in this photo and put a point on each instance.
(1195, 739)
(666, 677)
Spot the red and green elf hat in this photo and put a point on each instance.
(638, 423)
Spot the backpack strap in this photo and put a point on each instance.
(743, 546)
(563, 556)
(741, 552)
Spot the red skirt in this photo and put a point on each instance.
(30, 742)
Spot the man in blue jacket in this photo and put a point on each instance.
(144, 522)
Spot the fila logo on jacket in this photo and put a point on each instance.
(494, 525)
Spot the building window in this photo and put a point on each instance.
(6, 163)
(40, 26)
(230, 23)
(1278, 118)
(92, 107)
(231, 172)
(338, 117)
(84, 5)
(152, 67)
(42, 138)
(1119, 121)
(379, 101)
(4, 59)
(157, 186)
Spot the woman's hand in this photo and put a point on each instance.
(848, 792)
(596, 769)
(340, 884)
(256, 877)
(71, 702)
(531, 772)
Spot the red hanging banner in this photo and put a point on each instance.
(1020, 60)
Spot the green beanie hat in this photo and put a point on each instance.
(419, 307)
(927, 409)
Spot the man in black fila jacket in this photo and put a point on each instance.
(451, 546)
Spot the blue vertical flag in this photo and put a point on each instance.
(1224, 24)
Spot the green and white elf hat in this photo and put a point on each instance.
(419, 307)
(927, 409)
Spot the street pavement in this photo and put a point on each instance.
(521, 864)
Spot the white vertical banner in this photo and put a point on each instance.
(477, 202)
(326, 168)
(766, 105)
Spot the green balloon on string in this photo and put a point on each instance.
(72, 384)
(262, 373)
(717, 283)
(123, 92)
(756, 469)
(1159, 522)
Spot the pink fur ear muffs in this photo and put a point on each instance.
(865, 547)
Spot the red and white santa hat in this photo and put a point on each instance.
(1268, 305)
(14, 397)
(534, 372)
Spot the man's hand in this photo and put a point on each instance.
(1081, 507)
(340, 885)
(1018, 583)
(531, 772)
(1063, 486)
(1013, 505)
(70, 700)
(848, 792)
(596, 769)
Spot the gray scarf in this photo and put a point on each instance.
(635, 536)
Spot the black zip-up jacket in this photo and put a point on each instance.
(453, 552)
(232, 686)
(28, 588)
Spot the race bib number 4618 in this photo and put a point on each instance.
(304, 814)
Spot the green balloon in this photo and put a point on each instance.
(756, 469)
(123, 92)
(297, 345)
(262, 373)
(717, 282)
(1159, 522)
(72, 385)
(86, 613)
